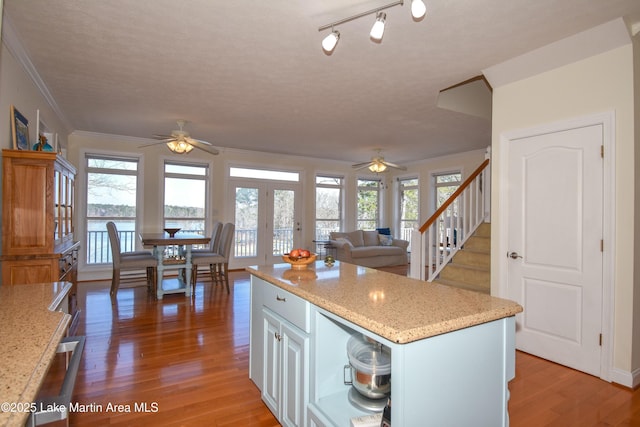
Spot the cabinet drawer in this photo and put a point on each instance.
(290, 307)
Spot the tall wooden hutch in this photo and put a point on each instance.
(38, 195)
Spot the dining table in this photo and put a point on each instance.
(160, 241)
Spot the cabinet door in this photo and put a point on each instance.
(295, 351)
(271, 368)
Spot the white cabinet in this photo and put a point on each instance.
(285, 387)
(279, 358)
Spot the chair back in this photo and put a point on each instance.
(226, 239)
(114, 240)
(214, 243)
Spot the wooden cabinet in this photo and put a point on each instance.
(38, 196)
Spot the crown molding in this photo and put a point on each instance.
(12, 42)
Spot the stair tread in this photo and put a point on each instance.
(469, 266)
(463, 285)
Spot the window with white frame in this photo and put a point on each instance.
(328, 205)
(408, 195)
(368, 199)
(185, 196)
(112, 185)
(445, 184)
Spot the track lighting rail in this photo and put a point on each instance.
(360, 15)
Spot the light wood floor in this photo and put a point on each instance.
(187, 360)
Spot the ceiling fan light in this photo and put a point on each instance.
(418, 9)
(378, 167)
(329, 43)
(180, 147)
(377, 31)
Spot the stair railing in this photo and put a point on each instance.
(445, 232)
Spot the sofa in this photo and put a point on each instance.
(369, 248)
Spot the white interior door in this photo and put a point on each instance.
(555, 259)
(267, 221)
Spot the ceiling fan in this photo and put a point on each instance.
(378, 164)
(180, 142)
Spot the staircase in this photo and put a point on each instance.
(470, 267)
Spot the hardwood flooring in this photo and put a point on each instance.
(187, 360)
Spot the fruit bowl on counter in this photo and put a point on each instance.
(299, 262)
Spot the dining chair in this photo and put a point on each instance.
(218, 261)
(214, 243)
(129, 261)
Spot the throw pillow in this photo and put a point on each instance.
(385, 239)
(386, 231)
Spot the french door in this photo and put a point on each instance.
(267, 218)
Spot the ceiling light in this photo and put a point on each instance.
(377, 31)
(418, 9)
(179, 146)
(378, 167)
(329, 43)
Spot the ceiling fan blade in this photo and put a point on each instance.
(361, 165)
(153, 143)
(164, 137)
(393, 165)
(204, 146)
(192, 140)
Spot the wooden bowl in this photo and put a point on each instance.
(299, 263)
(172, 231)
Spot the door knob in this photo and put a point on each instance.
(514, 255)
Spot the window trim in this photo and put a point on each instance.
(82, 204)
(341, 200)
(207, 178)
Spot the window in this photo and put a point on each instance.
(409, 207)
(111, 196)
(267, 174)
(368, 204)
(185, 196)
(445, 185)
(328, 205)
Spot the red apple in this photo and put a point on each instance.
(305, 253)
(295, 253)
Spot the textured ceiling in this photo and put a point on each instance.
(251, 74)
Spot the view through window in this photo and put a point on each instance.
(328, 206)
(409, 207)
(185, 196)
(111, 196)
(368, 204)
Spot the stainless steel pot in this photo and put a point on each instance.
(369, 367)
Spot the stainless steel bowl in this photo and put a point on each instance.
(369, 366)
(373, 386)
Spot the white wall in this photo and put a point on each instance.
(594, 85)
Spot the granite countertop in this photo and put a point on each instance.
(30, 331)
(395, 307)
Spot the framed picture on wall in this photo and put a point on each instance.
(19, 130)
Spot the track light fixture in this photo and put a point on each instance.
(329, 43)
(418, 10)
(377, 31)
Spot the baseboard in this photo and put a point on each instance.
(626, 378)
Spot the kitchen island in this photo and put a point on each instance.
(31, 326)
(452, 350)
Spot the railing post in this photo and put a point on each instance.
(416, 268)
